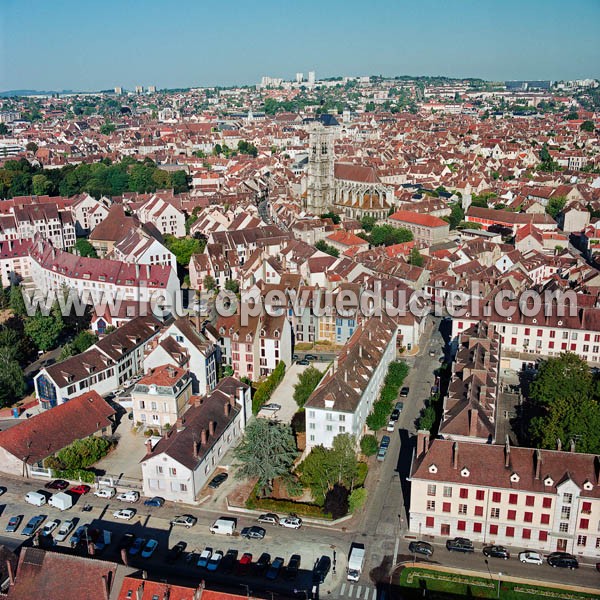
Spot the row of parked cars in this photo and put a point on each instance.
(459, 544)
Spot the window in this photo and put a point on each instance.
(528, 518)
(329, 428)
(493, 529)
(597, 542)
(545, 519)
(586, 508)
(342, 417)
(173, 471)
(584, 523)
(526, 534)
(342, 429)
(182, 487)
(565, 512)
(311, 425)
(430, 504)
(462, 509)
(512, 515)
(431, 489)
(547, 502)
(543, 536)
(582, 540)
(563, 527)
(461, 525)
(567, 498)
(142, 405)
(477, 528)
(496, 497)
(429, 522)
(311, 414)
(530, 500)
(328, 416)
(495, 513)
(159, 470)
(447, 491)
(480, 495)
(464, 493)
(446, 507)
(479, 511)
(512, 498)
(510, 532)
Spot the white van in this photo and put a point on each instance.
(223, 526)
(35, 498)
(105, 492)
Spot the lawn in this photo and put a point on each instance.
(455, 585)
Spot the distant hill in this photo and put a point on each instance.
(9, 93)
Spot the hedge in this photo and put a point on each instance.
(397, 372)
(369, 445)
(267, 387)
(76, 475)
(286, 506)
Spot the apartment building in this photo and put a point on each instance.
(546, 500)
(163, 215)
(344, 398)
(15, 264)
(88, 212)
(426, 229)
(140, 248)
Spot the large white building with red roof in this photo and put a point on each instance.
(426, 229)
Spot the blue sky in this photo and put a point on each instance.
(91, 45)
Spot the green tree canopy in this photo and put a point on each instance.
(12, 380)
(555, 206)
(333, 216)
(416, 258)
(323, 246)
(183, 248)
(368, 223)
(308, 380)
(84, 248)
(387, 235)
(267, 451)
(45, 330)
(587, 126)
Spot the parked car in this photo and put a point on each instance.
(33, 524)
(126, 514)
(64, 530)
(2, 490)
(126, 541)
(272, 406)
(496, 552)
(217, 480)
(381, 453)
(129, 496)
(155, 501)
(253, 533)
(79, 535)
(204, 557)
(175, 552)
(294, 357)
(262, 564)
(532, 558)
(244, 564)
(57, 484)
(291, 571)
(149, 548)
(399, 406)
(385, 441)
(13, 524)
(321, 569)
(395, 415)
(229, 561)
(460, 545)
(303, 362)
(424, 548)
(105, 492)
(310, 357)
(270, 518)
(275, 568)
(49, 527)
(214, 561)
(184, 520)
(404, 392)
(137, 546)
(563, 559)
(391, 425)
(291, 522)
(80, 490)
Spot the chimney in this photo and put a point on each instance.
(203, 437)
(360, 350)
(473, 422)
(455, 455)
(227, 409)
(105, 588)
(507, 452)
(140, 591)
(137, 271)
(11, 573)
(558, 444)
(197, 401)
(91, 548)
(232, 401)
(148, 447)
(195, 448)
(572, 445)
(199, 590)
(179, 424)
(422, 442)
(538, 464)
(346, 375)
(124, 556)
(211, 428)
(144, 575)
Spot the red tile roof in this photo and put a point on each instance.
(406, 216)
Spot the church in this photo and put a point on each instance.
(344, 188)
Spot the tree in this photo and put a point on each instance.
(369, 445)
(587, 126)
(17, 303)
(333, 216)
(572, 116)
(41, 185)
(457, 215)
(323, 246)
(267, 451)
(336, 501)
(84, 248)
(416, 258)
(45, 330)
(3, 129)
(308, 380)
(387, 235)
(107, 128)
(12, 380)
(545, 156)
(368, 223)
(210, 283)
(31, 147)
(183, 248)
(233, 285)
(247, 148)
(555, 206)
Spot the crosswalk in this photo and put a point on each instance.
(357, 591)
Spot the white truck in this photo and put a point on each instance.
(355, 562)
(223, 526)
(61, 501)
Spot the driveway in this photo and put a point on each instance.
(284, 394)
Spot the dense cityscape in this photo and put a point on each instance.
(315, 337)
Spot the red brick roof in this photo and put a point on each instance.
(407, 216)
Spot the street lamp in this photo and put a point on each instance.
(499, 575)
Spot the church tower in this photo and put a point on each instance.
(320, 186)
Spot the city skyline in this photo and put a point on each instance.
(69, 48)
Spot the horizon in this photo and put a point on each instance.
(538, 41)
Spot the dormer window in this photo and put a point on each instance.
(588, 486)
(432, 469)
(548, 481)
(465, 472)
(262, 333)
(514, 478)
(276, 333)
